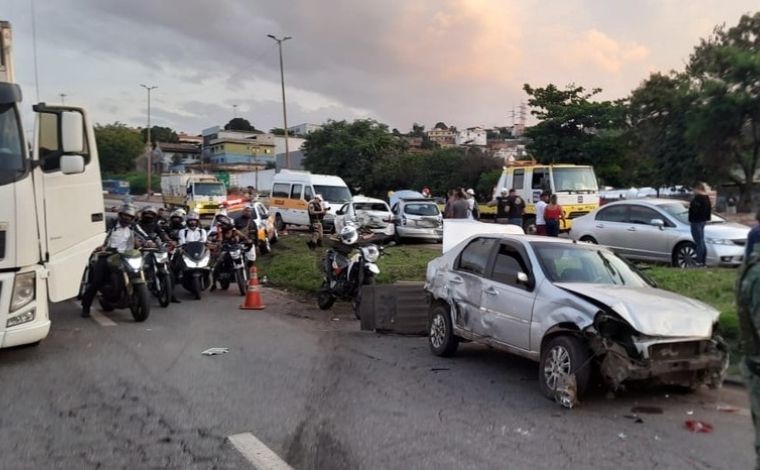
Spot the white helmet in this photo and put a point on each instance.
(179, 213)
(349, 235)
(193, 216)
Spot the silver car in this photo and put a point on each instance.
(572, 307)
(659, 230)
(418, 218)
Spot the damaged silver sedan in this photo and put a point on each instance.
(571, 307)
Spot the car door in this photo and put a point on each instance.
(340, 218)
(641, 239)
(610, 226)
(466, 284)
(507, 303)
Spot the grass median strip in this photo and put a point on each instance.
(293, 267)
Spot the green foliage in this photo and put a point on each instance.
(239, 124)
(277, 131)
(418, 130)
(725, 123)
(352, 151)
(159, 134)
(575, 129)
(118, 147)
(138, 181)
(487, 183)
(658, 113)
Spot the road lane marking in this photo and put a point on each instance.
(101, 319)
(256, 452)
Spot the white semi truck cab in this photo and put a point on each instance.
(51, 207)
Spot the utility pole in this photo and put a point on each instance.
(284, 110)
(150, 144)
(63, 98)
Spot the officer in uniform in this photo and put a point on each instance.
(748, 301)
(316, 214)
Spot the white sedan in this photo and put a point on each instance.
(366, 212)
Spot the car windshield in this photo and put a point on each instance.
(371, 206)
(421, 208)
(680, 211)
(210, 189)
(581, 179)
(333, 193)
(585, 264)
(11, 145)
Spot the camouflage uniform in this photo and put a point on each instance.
(316, 214)
(748, 301)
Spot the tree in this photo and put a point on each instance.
(239, 124)
(277, 131)
(418, 130)
(658, 114)
(159, 134)
(575, 129)
(351, 150)
(725, 123)
(118, 147)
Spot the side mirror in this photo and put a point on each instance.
(72, 132)
(72, 164)
(522, 278)
(339, 212)
(657, 223)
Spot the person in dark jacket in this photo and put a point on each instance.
(700, 212)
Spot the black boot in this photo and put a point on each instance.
(175, 300)
(85, 312)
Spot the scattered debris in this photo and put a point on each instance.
(566, 393)
(635, 418)
(727, 408)
(437, 369)
(690, 412)
(622, 435)
(522, 431)
(657, 438)
(648, 410)
(698, 426)
(215, 351)
(264, 279)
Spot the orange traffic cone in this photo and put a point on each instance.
(253, 296)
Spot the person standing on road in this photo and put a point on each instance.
(748, 303)
(316, 215)
(472, 204)
(753, 238)
(540, 209)
(501, 206)
(460, 208)
(515, 208)
(447, 208)
(700, 212)
(552, 215)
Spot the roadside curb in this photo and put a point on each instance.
(735, 380)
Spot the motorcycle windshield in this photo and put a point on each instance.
(195, 250)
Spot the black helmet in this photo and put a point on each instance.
(225, 221)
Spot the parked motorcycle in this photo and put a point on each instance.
(193, 270)
(345, 274)
(157, 273)
(126, 286)
(230, 266)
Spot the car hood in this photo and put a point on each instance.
(728, 231)
(651, 311)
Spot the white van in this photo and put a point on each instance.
(292, 190)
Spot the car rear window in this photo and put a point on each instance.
(370, 206)
(424, 208)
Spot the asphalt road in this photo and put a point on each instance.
(322, 394)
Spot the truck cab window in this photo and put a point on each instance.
(11, 145)
(518, 179)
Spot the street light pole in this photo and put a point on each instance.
(284, 109)
(63, 98)
(150, 147)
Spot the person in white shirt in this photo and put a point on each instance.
(540, 208)
(193, 232)
(471, 204)
(120, 238)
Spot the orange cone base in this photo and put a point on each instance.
(253, 295)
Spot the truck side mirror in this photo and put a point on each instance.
(72, 132)
(72, 164)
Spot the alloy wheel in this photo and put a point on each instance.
(557, 365)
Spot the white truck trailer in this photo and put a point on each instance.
(51, 207)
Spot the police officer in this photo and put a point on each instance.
(120, 238)
(176, 223)
(316, 215)
(748, 301)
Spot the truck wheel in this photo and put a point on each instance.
(562, 356)
(140, 304)
(441, 332)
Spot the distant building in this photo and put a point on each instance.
(443, 137)
(303, 129)
(413, 142)
(225, 147)
(296, 160)
(175, 156)
(294, 143)
(472, 136)
(189, 139)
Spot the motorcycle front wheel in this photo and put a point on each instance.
(164, 289)
(325, 299)
(140, 303)
(197, 287)
(241, 280)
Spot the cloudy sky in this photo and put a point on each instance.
(399, 61)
